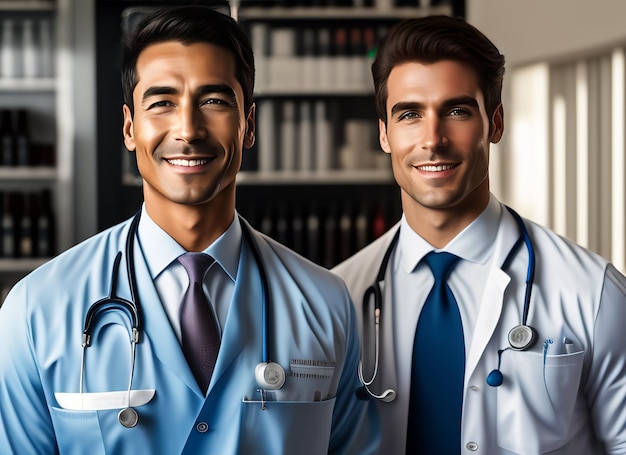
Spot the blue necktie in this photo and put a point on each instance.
(434, 426)
(199, 328)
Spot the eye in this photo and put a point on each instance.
(216, 102)
(158, 104)
(213, 101)
(408, 115)
(459, 112)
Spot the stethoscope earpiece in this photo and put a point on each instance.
(269, 375)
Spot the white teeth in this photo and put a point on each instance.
(441, 167)
(188, 163)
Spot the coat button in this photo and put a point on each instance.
(202, 427)
(474, 388)
(472, 446)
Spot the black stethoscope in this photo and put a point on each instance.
(521, 337)
(269, 375)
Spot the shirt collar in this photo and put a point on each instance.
(474, 243)
(225, 250)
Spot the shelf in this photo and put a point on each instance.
(27, 5)
(336, 177)
(21, 265)
(315, 91)
(26, 173)
(345, 13)
(27, 85)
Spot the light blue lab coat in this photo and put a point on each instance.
(313, 335)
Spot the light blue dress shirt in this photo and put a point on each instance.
(170, 277)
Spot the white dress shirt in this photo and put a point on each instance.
(170, 278)
(474, 245)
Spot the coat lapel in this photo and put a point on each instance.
(244, 321)
(493, 298)
(157, 328)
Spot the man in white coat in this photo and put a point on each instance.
(557, 382)
(285, 360)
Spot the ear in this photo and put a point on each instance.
(127, 129)
(249, 137)
(382, 136)
(497, 124)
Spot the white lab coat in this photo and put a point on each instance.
(313, 335)
(574, 403)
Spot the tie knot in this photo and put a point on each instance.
(441, 264)
(196, 265)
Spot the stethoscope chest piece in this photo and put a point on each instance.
(128, 417)
(522, 337)
(269, 375)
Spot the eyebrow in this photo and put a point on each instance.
(203, 90)
(410, 105)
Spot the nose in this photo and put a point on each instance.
(434, 135)
(191, 126)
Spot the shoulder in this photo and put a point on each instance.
(566, 265)
(87, 258)
(558, 250)
(365, 263)
(292, 267)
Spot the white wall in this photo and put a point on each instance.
(532, 30)
(562, 158)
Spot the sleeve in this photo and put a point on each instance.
(606, 382)
(355, 425)
(25, 423)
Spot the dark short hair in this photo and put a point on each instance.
(188, 25)
(432, 39)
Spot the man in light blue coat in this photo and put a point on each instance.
(127, 387)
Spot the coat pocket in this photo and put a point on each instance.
(78, 431)
(536, 400)
(285, 427)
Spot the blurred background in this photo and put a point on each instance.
(316, 179)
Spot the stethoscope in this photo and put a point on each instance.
(269, 375)
(520, 337)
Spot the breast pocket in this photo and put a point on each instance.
(536, 400)
(78, 432)
(283, 427)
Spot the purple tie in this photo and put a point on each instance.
(199, 329)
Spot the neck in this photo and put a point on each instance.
(194, 227)
(439, 226)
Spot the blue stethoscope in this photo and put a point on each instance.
(521, 337)
(269, 375)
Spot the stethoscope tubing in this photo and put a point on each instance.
(132, 308)
(375, 291)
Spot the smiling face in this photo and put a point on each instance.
(189, 127)
(438, 135)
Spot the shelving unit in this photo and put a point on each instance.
(337, 195)
(47, 99)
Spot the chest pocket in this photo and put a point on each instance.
(286, 427)
(536, 400)
(78, 432)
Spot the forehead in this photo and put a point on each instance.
(442, 79)
(175, 64)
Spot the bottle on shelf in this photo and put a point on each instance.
(7, 138)
(8, 49)
(24, 226)
(22, 139)
(44, 225)
(9, 228)
(30, 51)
